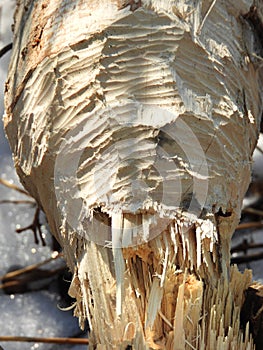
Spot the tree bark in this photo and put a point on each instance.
(133, 123)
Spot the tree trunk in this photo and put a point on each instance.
(133, 123)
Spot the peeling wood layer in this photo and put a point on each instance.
(133, 124)
(168, 303)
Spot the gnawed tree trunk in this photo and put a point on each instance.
(133, 123)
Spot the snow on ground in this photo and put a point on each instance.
(36, 313)
(32, 313)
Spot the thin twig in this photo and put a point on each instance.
(165, 319)
(11, 201)
(35, 227)
(44, 340)
(252, 224)
(29, 268)
(24, 280)
(205, 17)
(245, 246)
(14, 187)
(246, 258)
(259, 149)
(5, 49)
(253, 211)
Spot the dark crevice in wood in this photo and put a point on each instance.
(252, 312)
(254, 20)
(134, 4)
(5, 49)
(225, 214)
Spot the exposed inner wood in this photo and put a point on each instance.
(133, 124)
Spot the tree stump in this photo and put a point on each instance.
(133, 124)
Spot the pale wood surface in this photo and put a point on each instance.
(101, 98)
